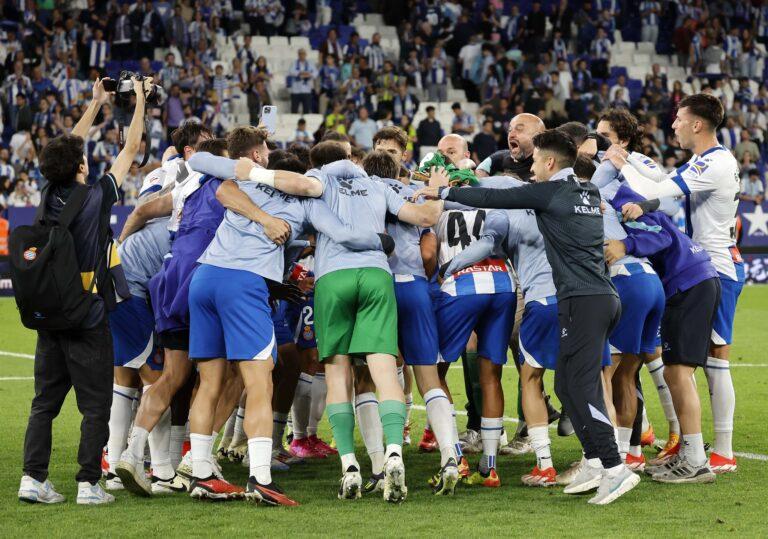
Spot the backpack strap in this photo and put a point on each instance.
(40, 213)
(73, 205)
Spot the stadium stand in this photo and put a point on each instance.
(558, 59)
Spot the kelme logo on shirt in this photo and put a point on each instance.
(587, 208)
(347, 187)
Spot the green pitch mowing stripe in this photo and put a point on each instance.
(734, 505)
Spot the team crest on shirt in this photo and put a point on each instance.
(30, 254)
(308, 333)
(699, 167)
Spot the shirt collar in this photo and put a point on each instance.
(562, 174)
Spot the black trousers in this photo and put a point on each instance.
(82, 360)
(303, 100)
(585, 323)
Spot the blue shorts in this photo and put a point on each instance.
(304, 336)
(416, 322)
(283, 333)
(133, 335)
(642, 306)
(722, 326)
(491, 316)
(230, 316)
(540, 334)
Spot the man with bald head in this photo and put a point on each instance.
(519, 158)
(455, 148)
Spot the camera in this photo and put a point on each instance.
(123, 88)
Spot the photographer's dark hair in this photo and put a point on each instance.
(705, 106)
(326, 152)
(60, 160)
(558, 143)
(215, 146)
(188, 134)
(382, 164)
(242, 140)
(625, 125)
(576, 130)
(584, 167)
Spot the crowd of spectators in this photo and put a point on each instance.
(550, 58)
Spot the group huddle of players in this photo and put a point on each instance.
(271, 285)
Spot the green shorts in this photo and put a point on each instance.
(355, 313)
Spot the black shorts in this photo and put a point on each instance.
(687, 324)
(174, 339)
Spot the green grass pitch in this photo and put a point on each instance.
(735, 505)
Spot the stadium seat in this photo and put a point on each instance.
(300, 42)
(259, 43)
(278, 41)
(646, 47)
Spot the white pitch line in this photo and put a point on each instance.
(13, 378)
(16, 354)
(748, 456)
(757, 365)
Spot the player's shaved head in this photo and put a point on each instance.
(454, 147)
(522, 129)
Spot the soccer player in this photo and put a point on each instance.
(516, 233)
(710, 183)
(231, 321)
(692, 290)
(569, 218)
(417, 326)
(620, 127)
(355, 311)
(133, 326)
(169, 290)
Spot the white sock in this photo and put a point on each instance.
(367, 411)
(278, 429)
(178, 435)
(622, 440)
(214, 435)
(439, 410)
(693, 448)
(159, 447)
(656, 370)
(317, 408)
(239, 436)
(635, 450)
(229, 429)
(119, 421)
(349, 460)
(541, 445)
(723, 399)
(456, 444)
(401, 377)
(302, 402)
(137, 441)
(646, 423)
(408, 406)
(201, 451)
(490, 433)
(260, 457)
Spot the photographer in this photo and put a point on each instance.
(81, 357)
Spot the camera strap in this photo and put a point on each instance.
(144, 137)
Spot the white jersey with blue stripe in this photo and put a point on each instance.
(711, 184)
(456, 230)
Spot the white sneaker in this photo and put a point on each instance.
(587, 479)
(239, 452)
(351, 484)
(520, 445)
(470, 442)
(112, 482)
(174, 485)
(613, 486)
(88, 494)
(216, 468)
(504, 443)
(566, 478)
(33, 491)
(131, 473)
(395, 490)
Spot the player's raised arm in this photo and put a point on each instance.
(125, 158)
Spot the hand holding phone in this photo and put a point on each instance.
(269, 118)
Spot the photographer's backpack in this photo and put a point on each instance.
(44, 269)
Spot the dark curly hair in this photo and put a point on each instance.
(625, 125)
(60, 160)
